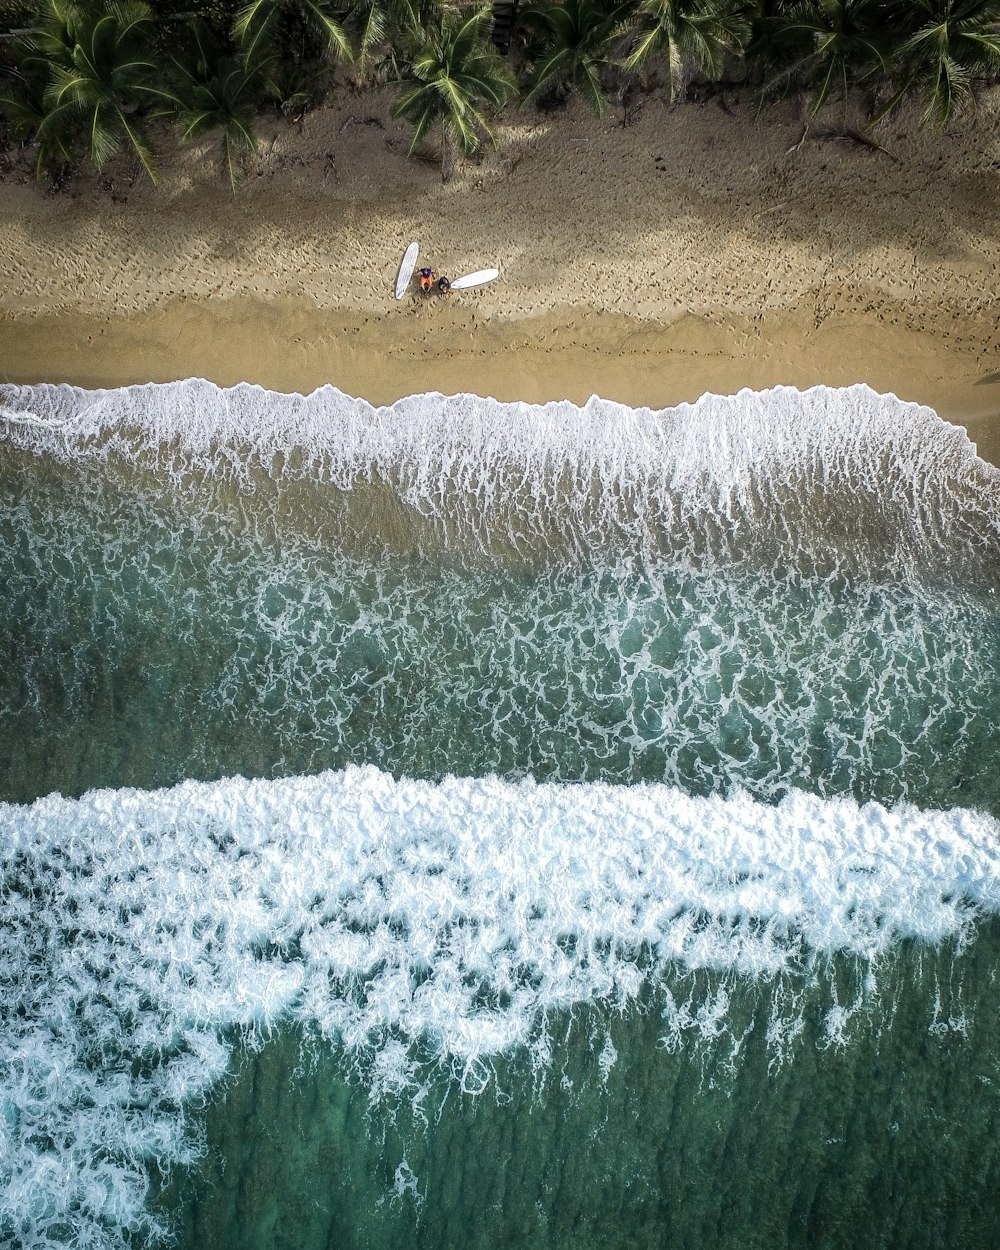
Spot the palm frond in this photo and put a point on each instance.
(333, 32)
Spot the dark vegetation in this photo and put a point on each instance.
(85, 79)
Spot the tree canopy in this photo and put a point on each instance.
(86, 79)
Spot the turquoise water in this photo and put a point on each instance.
(149, 642)
(618, 858)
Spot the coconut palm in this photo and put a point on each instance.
(260, 22)
(215, 91)
(955, 41)
(825, 43)
(575, 45)
(690, 35)
(374, 23)
(99, 73)
(24, 109)
(453, 73)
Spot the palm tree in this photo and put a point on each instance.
(691, 35)
(100, 72)
(218, 92)
(576, 45)
(824, 43)
(259, 22)
(24, 109)
(453, 73)
(955, 41)
(374, 23)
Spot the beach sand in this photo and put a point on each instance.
(700, 248)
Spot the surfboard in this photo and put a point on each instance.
(406, 267)
(474, 279)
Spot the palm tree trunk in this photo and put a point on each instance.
(447, 158)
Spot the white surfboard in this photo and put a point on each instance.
(406, 267)
(474, 279)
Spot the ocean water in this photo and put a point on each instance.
(468, 824)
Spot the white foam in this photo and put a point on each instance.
(139, 925)
(826, 475)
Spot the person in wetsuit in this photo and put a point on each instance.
(444, 286)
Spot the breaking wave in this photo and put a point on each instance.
(142, 928)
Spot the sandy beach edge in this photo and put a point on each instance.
(693, 250)
(288, 344)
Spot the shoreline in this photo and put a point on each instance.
(291, 345)
(695, 249)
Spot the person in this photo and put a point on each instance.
(426, 280)
(444, 286)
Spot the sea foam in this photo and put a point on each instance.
(825, 477)
(144, 930)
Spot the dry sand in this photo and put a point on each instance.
(697, 248)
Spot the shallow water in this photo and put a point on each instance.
(618, 857)
(147, 648)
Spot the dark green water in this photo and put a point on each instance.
(887, 1138)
